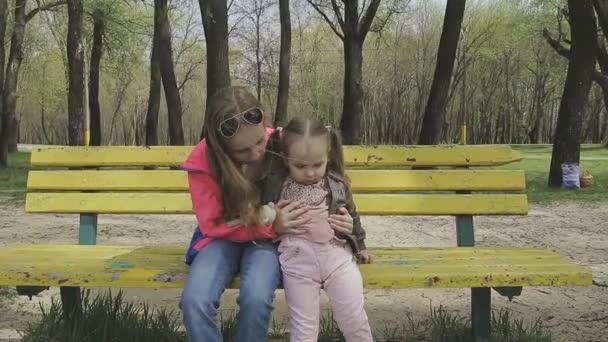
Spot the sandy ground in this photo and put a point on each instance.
(577, 231)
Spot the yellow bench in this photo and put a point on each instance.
(141, 180)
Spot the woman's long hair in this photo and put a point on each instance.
(240, 196)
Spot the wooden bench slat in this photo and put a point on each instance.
(29, 253)
(367, 204)
(380, 156)
(162, 266)
(362, 180)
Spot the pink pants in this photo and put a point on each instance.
(309, 266)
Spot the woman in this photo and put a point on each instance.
(222, 171)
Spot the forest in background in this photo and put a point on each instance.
(506, 87)
(383, 71)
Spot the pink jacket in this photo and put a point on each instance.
(207, 202)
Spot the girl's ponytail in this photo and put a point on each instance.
(335, 154)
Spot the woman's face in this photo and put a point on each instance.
(248, 145)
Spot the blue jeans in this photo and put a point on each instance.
(212, 270)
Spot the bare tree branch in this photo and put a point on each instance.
(602, 55)
(368, 18)
(337, 12)
(236, 24)
(184, 45)
(362, 10)
(190, 74)
(602, 15)
(556, 45)
(330, 22)
(44, 7)
(382, 23)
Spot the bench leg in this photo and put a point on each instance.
(70, 301)
(70, 295)
(481, 312)
(465, 234)
(87, 233)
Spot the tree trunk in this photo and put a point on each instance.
(167, 71)
(354, 29)
(96, 54)
(154, 95)
(215, 23)
(9, 95)
(352, 112)
(435, 107)
(581, 66)
(75, 51)
(280, 116)
(4, 120)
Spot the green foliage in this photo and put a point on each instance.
(7, 292)
(105, 318)
(512, 75)
(14, 179)
(108, 317)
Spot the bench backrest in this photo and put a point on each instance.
(386, 180)
(97, 180)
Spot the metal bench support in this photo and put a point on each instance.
(481, 299)
(70, 295)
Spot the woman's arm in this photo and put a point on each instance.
(208, 208)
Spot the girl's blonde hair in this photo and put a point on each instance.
(307, 128)
(240, 196)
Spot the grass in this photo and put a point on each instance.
(105, 318)
(13, 180)
(112, 318)
(8, 292)
(536, 162)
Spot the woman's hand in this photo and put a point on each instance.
(365, 257)
(342, 222)
(290, 217)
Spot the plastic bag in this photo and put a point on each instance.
(571, 176)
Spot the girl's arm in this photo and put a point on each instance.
(208, 208)
(358, 230)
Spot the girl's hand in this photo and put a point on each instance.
(290, 217)
(365, 257)
(342, 222)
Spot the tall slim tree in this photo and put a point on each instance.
(446, 55)
(10, 75)
(280, 115)
(167, 71)
(75, 52)
(581, 67)
(154, 93)
(99, 24)
(15, 58)
(4, 123)
(215, 24)
(352, 29)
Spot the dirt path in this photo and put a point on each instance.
(577, 231)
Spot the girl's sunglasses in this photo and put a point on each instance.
(229, 127)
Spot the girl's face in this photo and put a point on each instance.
(307, 158)
(248, 145)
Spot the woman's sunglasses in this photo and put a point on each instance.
(229, 127)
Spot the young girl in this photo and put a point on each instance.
(317, 254)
